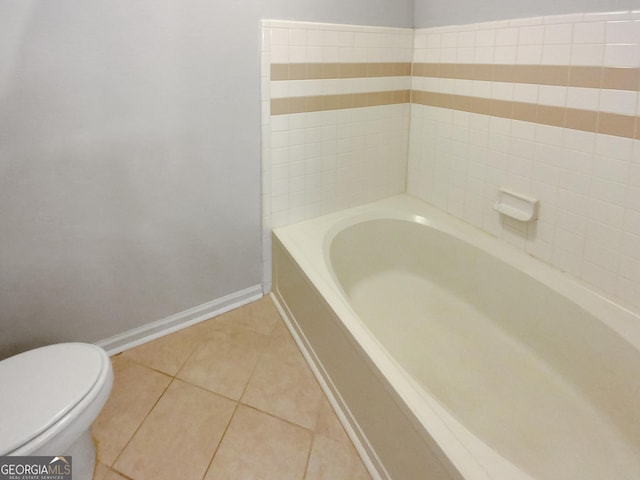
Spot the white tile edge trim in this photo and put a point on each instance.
(274, 23)
(159, 328)
(368, 456)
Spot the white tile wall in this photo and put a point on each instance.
(587, 183)
(320, 162)
(300, 42)
(326, 161)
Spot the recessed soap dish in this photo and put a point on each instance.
(516, 205)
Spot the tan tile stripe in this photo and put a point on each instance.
(619, 78)
(616, 78)
(282, 106)
(585, 120)
(322, 71)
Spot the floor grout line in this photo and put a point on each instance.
(271, 343)
(142, 422)
(224, 433)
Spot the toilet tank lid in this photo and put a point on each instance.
(40, 386)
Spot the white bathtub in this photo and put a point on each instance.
(451, 355)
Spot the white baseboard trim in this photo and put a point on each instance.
(159, 328)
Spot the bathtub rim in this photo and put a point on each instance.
(622, 319)
(309, 243)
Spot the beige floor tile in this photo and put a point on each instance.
(100, 471)
(205, 329)
(183, 428)
(225, 362)
(111, 475)
(260, 316)
(167, 353)
(333, 456)
(179, 436)
(258, 446)
(334, 460)
(328, 424)
(281, 331)
(135, 390)
(103, 472)
(283, 384)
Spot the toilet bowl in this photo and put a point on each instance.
(49, 397)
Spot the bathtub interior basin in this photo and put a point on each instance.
(534, 375)
(507, 368)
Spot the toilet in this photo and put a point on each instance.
(49, 397)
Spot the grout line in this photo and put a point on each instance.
(142, 421)
(199, 345)
(269, 341)
(141, 364)
(224, 434)
(240, 400)
(308, 460)
(275, 416)
(240, 403)
(120, 473)
(237, 401)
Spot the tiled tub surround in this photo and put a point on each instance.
(545, 106)
(548, 107)
(335, 119)
(579, 78)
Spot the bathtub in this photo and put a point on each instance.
(450, 355)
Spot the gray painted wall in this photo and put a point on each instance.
(130, 157)
(430, 13)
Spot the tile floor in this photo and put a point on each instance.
(230, 398)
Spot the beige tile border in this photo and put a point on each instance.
(324, 71)
(616, 78)
(586, 120)
(319, 103)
